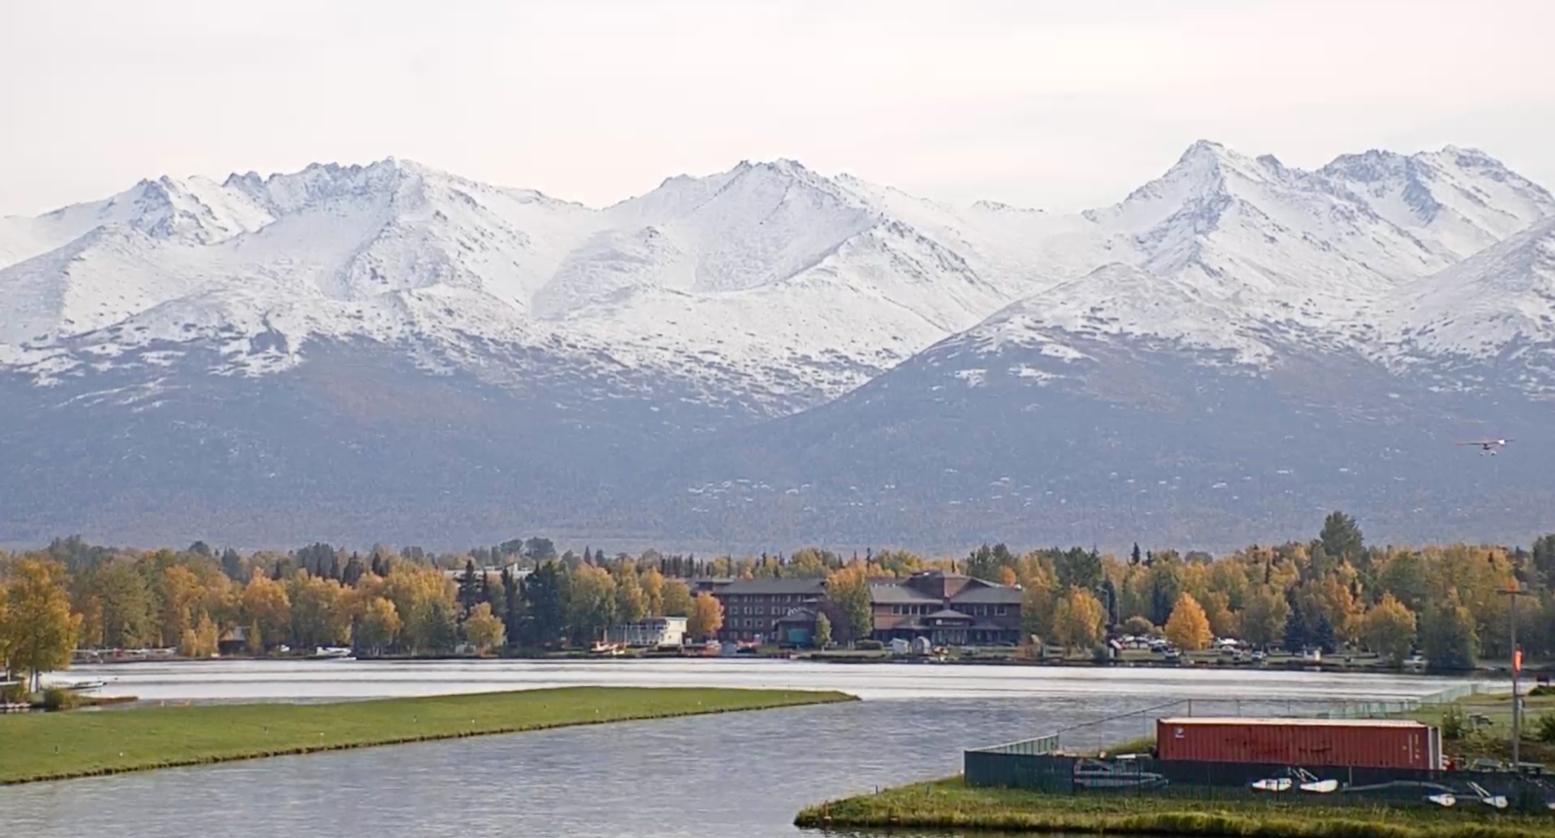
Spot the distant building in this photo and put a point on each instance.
(493, 575)
(753, 608)
(651, 633)
(946, 608)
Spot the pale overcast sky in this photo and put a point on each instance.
(1045, 104)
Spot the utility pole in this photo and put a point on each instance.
(1513, 591)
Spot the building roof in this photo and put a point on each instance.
(798, 615)
(988, 592)
(768, 587)
(947, 614)
(892, 593)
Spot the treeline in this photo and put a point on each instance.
(1447, 602)
(1331, 592)
(381, 602)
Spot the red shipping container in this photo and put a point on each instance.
(1355, 743)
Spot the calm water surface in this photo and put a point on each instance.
(726, 776)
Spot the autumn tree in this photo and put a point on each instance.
(653, 591)
(707, 616)
(591, 603)
(483, 629)
(39, 629)
(1263, 620)
(427, 608)
(266, 607)
(1079, 621)
(631, 600)
(1188, 627)
(1447, 636)
(1403, 574)
(1389, 629)
(822, 637)
(127, 606)
(180, 592)
(379, 626)
(848, 588)
(320, 615)
(1138, 626)
(201, 640)
(1038, 600)
(677, 598)
(1223, 622)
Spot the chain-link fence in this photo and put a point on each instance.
(1110, 756)
(1142, 776)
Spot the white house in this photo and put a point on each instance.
(653, 632)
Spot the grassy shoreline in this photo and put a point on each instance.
(58, 746)
(951, 805)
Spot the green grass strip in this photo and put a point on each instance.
(55, 746)
(951, 805)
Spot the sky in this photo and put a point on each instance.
(1057, 105)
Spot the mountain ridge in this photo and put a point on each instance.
(767, 351)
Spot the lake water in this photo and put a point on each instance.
(731, 776)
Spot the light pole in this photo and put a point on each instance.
(1513, 591)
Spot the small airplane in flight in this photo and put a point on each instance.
(1487, 445)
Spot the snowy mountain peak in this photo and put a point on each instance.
(769, 277)
(1492, 314)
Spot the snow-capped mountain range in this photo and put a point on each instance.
(735, 302)
(772, 283)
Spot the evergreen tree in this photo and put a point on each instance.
(513, 612)
(469, 589)
(1134, 557)
(542, 595)
(232, 565)
(353, 571)
(1543, 553)
(377, 565)
(1110, 600)
(200, 548)
(1341, 538)
(334, 567)
(1078, 568)
(1323, 632)
(1296, 632)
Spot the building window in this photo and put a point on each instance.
(1001, 611)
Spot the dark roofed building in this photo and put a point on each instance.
(947, 608)
(754, 607)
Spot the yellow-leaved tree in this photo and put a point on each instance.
(1188, 627)
(268, 611)
(484, 629)
(677, 598)
(849, 589)
(1079, 620)
(379, 627)
(38, 630)
(1389, 629)
(707, 616)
